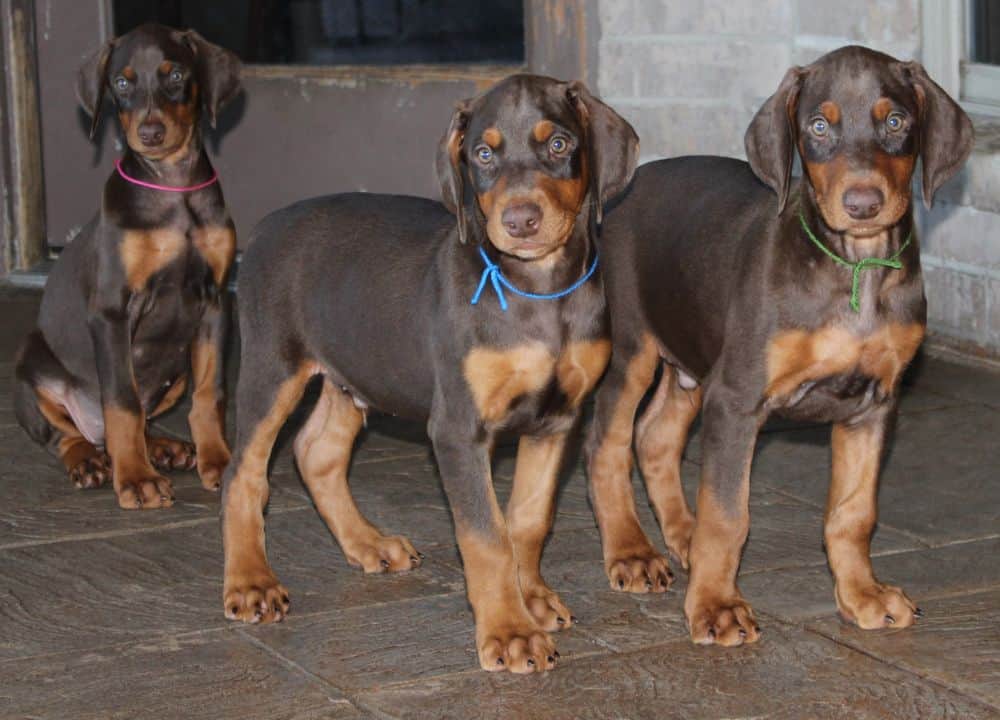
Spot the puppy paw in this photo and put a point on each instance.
(169, 454)
(144, 492)
(642, 571)
(546, 608)
(874, 605)
(518, 645)
(722, 621)
(382, 554)
(255, 598)
(91, 472)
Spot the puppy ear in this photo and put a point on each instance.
(218, 72)
(613, 146)
(946, 134)
(91, 82)
(770, 139)
(448, 164)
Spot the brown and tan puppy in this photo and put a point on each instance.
(720, 272)
(133, 311)
(374, 295)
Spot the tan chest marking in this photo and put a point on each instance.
(497, 377)
(144, 252)
(795, 357)
(217, 245)
(580, 367)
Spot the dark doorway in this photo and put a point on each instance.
(345, 32)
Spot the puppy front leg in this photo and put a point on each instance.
(716, 611)
(507, 636)
(851, 513)
(136, 483)
(208, 400)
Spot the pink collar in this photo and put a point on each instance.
(165, 188)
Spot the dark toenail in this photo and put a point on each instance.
(743, 633)
(560, 620)
(890, 619)
(918, 612)
(649, 584)
(531, 662)
(285, 598)
(420, 555)
(413, 559)
(500, 661)
(551, 659)
(556, 653)
(621, 584)
(385, 563)
(711, 633)
(572, 619)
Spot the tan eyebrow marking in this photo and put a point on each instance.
(492, 137)
(543, 130)
(831, 111)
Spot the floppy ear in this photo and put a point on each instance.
(218, 72)
(613, 146)
(946, 134)
(448, 164)
(770, 139)
(91, 81)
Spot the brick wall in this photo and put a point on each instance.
(691, 74)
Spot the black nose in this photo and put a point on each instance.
(151, 133)
(522, 220)
(863, 203)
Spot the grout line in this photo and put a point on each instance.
(904, 667)
(120, 644)
(924, 544)
(106, 534)
(341, 694)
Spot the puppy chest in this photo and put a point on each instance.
(501, 380)
(799, 360)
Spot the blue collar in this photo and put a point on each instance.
(493, 275)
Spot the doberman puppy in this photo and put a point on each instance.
(133, 310)
(729, 283)
(401, 308)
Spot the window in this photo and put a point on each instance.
(961, 50)
(981, 69)
(345, 32)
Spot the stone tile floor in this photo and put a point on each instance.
(112, 614)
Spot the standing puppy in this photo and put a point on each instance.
(133, 309)
(403, 307)
(811, 308)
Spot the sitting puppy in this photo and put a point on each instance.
(492, 322)
(133, 310)
(758, 294)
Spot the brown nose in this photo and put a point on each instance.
(863, 203)
(522, 220)
(151, 133)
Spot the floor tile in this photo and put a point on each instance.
(205, 676)
(789, 674)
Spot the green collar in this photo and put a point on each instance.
(862, 264)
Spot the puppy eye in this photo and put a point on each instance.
(895, 122)
(122, 83)
(484, 153)
(176, 76)
(819, 127)
(558, 145)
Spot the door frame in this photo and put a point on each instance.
(22, 185)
